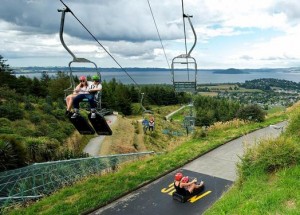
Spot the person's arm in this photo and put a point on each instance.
(188, 183)
(96, 89)
(77, 88)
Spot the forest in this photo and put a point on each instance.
(34, 128)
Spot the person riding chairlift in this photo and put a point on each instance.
(81, 88)
(92, 89)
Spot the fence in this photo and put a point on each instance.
(40, 179)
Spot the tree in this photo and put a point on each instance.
(6, 78)
(57, 86)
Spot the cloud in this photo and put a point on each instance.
(290, 8)
(235, 32)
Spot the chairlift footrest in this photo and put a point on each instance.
(82, 125)
(100, 125)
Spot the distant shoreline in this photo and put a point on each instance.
(33, 70)
(164, 76)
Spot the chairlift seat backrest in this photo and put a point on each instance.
(185, 86)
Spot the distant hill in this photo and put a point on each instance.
(230, 71)
(268, 83)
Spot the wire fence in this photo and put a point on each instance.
(40, 179)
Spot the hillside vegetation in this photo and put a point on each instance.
(269, 176)
(85, 195)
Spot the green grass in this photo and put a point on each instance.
(269, 177)
(179, 116)
(276, 193)
(96, 191)
(275, 109)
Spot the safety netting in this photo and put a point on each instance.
(40, 179)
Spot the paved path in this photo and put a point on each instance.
(94, 145)
(171, 114)
(217, 168)
(222, 161)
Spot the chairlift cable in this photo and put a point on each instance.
(158, 34)
(99, 43)
(183, 16)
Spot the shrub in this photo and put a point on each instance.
(47, 108)
(28, 106)
(294, 125)
(42, 129)
(35, 147)
(12, 152)
(5, 126)
(34, 118)
(8, 157)
(68, 154)
(9, 94)
(11, 111)
(59, 114)
(252, 113)
(200, 134)
(5, 122)
(6, 130)
(50, 149)
(270, 155)
(58, 135)
(23, 128)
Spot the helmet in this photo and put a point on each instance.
(185, 179)
(82, 78)
(95, 78)
(178, 176)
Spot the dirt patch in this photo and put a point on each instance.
(126, 138)
(74, 141)
(291, 204)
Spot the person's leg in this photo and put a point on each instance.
(69, 101)
(76, 102)
(194, 186)
(93, 105)
(191, 188)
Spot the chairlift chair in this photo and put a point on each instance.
(189, 84)
(72, 86)
(145, 111)
(99, 124)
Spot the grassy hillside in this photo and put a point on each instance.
(128, 135)
(269, 176)
(97, 191)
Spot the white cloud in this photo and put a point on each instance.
(248, 33)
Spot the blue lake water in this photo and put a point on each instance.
(165, 77)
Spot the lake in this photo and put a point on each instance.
(165, 77)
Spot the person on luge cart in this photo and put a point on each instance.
(185, 187)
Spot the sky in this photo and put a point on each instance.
(230, 33)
